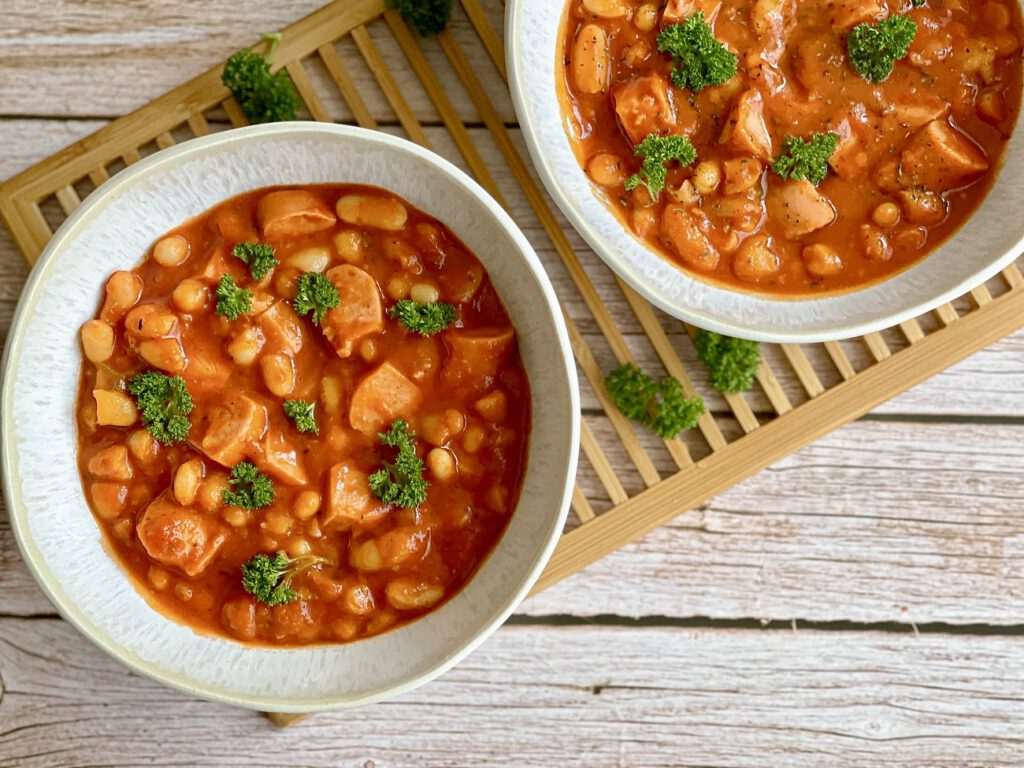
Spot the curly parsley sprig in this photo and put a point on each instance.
(806, 159)
(303, 414)
(400, 482)
(702, 60)
(732, 363)
(232, 299)
(268, 578)
(263, 97)
(428, 17)
(315, 293)
(661, 406)
(251, 489)
(164, 403)
(875, 48)
(655, 151)
(259, 257)
(424, 319)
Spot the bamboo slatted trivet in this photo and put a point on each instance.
(803, 392)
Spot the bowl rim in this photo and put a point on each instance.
(8, 452)
(519, 84)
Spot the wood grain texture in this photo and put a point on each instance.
(878, 522)
(623, 697)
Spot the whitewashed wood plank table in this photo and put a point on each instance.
(860, 603)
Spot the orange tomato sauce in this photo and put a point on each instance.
(917, 153)
(464, 392)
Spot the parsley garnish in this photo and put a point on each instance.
(875, 49)
(662, 406)
(655, 151)
(316, 294)
(232, 300)
(252, 489)
(424, 319)
(428, 17)
(268, 578)
(732, 363)
(400, 483)
(302, 413)
(165, 404)
(265, 98)
(808, 160)
(702, 60)
(258, 256)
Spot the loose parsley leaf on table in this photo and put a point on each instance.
(428, 17)
(259, 257)
(655, 151)
(268, 578)
(806, 159)
(164, 403)
(400, 482)
(702, 60)
(263, 97)
(732, 363)
(424, 319)
(315, 293)
(251, 489)
(661, 406)
(303, 414)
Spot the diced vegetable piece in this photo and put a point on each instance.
(680, 231)
(111, 463)
(822, 260)
(349, 499)
(475, 356)
(179, 537)
(292, 212)
(755, 260)
(360, 312)
(114, 409)
(939, 157)
(589, 59)
(281, 460)
(919, 107)
(380, 397)
(746, 131)
(232, 429)
(741, 173)
(799, 208)
(643, 107)
(851, 157)
(922, 206)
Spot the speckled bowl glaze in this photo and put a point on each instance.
(989, 241)
(61, 542)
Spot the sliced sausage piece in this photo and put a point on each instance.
(912, 110)
(475, 356)
(644, 106)
(800, 208)
(358, 314)
(680, 231)
(232, 429)
(381, 397)
(279, 459)
(282, 326)
(746, 131)
(179, 537)
(349, 499)
(939, 157)
(292, 212)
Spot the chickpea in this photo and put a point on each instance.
(158, 577)
(497, 498)
(306, 505)
(371, 211)
(589, 59)
(644, 221)
(755, 259)
(424, 293)
(124, 289)
(149, 322)
(455, 420)
(142, 446)
(183, 591)
(278, 374)
(685, 193)
(108, 499)
(97, 341)
(493, 406)
(298, 547)
(741, 174)
(409, 594)
(190, 295)
(398, 288)
(187, 481)
(606, 169)
(171, 251)
(380, 621)
(636, 54)
(111, 463)
(368, 350)
(886, 215)
(246, 346)
(995, 16)
(473, 439)
(365, 556)
(822, 260)
(875, 243)
(646, 17)
(345, 629)
(349, 245)
(434, 429)
(707, 176)
(286, 280)
(330, 394)
(122, 529)
(313, 259)
(236, 517)
(211, 493)
(277, 522)
(606, 9)
(358, 599)
(114, 409)
(441, 464)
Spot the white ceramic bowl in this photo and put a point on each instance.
(61, 542)
(989, 241)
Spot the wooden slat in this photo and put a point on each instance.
(981, 295)
(912, 330)
(492, 43)
(368, 49)
(842, 362)
(877, 347)
(198, 125)
(736, 401)
(947, 314)
(802, 367)
(599, 463)
(68, 199)
(1013, 277)
(772, 389)
(306, 92)
(343, 81)
(815, 418)
(164, 140)
(235, 113)
(581, 506)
